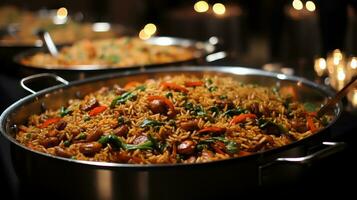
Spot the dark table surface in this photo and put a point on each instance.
(334, 175)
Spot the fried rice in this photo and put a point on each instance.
(174, 119)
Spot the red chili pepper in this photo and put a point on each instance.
(241, 117)
(212, 129)
(50, 121)
(174, 86)
(310, 124)
(131, 84)
(97, 110)
(165, 100)
(194, 83)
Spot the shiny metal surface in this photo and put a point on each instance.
(100, 180)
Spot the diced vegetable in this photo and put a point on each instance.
(194, 84)
(122, 98)
(64, 111)
(212, 88)
(49, 122)
(231, 147)
(67, 143)
(150, 122)
(143, 146)
(272, 127)
(233, 112)
(173, 86)
(310, 124)
(81, 136)
(131, 84)
(169, 95)
(241, 117)
(97, 110)
(310, 107)
(223, 96)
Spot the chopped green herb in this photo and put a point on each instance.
(143, 146)
(169, 95)
(64, 111)
(310, 107)
(209, 81)
(141, 88)
(150, 122)
(67, 143)
(122, 98)
(28, 136)
(223, 96)
(86, 118)
(214, 109)
(235, 111)
(81, 136)
(121, 120)
(231, 147)
(212, 88)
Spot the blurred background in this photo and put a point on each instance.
(254, 32)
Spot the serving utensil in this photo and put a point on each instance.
(331, 102)
(47, 40)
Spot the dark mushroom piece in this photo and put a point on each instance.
(94, 135)
(186, 147)
(189, 125)
(158, 106)
(89, 149)
(61, 125)
(50, 142)
(121, 131)
(62, 153)
(299, 126)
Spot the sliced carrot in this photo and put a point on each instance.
(97, 110)
(310, 124)
(165, 100)
(173, 86)
(244, 153)
(241, 117)
(50, 121)
(289, 90)
(313, 114)
(131, 84)
(193, 83)
(212, 129)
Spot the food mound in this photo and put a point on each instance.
(114, 53)
(174, 119)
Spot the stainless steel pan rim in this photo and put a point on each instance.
(202, 49)
(221, 69)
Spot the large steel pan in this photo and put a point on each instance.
(46, 176)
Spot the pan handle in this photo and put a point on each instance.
(31, 78)
(330, 148)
